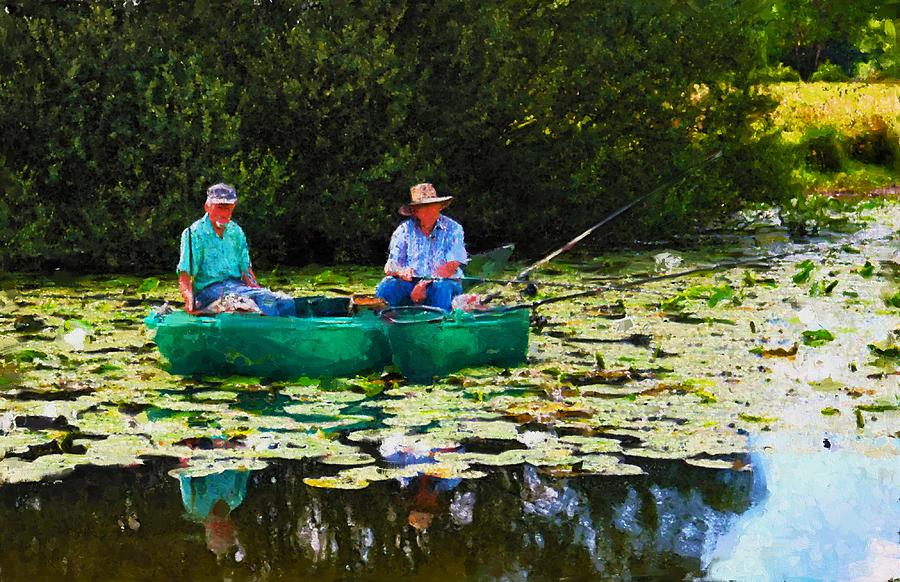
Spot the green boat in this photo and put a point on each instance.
(323, 341)
(327, 339)
(424, 343)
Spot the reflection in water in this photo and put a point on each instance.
(814, 509)
(210, 500)
(827, 509)
(514, 523)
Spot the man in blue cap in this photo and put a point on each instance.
(426, 256)
(215, 260)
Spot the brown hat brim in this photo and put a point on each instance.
(442, 200)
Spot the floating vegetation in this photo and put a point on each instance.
(82, 385)
(804, 271)
(817, 337)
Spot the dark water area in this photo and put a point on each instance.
(514, 524)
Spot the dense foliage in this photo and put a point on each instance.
(856, 38)
(540, 117)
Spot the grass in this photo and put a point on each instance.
(848, 107)
(853, 110)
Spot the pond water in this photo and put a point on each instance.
(739, 423)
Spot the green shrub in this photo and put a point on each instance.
(823, 149)
(867, 72)
(780, 73)
(116, 116)
(878, 144)
(828, 72)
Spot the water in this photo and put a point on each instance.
(826, 508)
(724, 436)
(514, 524)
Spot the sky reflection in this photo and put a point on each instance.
(826, 508)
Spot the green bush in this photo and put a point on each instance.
(867, 72)
(824, 149)
(539, 117)
(828, 72)
(878, 144)
(780, 73)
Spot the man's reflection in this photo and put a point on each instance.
(210, 499)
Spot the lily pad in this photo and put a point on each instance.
(817, 337)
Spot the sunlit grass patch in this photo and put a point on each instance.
(846, 133)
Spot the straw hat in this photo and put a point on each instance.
(422, 194)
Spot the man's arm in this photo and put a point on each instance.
(187, 268)
(247, 274)
(447, 270)
(186, 287)
(455, 254)
(396, 263)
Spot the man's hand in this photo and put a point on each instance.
(249, 279)
(189, 303)
(447, 270)
(406, 273)
(418, 293)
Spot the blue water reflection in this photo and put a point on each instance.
(825, 508)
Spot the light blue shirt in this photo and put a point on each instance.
(410, 247)
(214, 258)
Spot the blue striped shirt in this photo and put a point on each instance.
(410, 247)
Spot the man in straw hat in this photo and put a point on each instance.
(215, 261)
(426, 253)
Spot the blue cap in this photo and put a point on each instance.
(221, 194)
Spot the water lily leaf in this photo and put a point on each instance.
(314, 409)
(587, 378)
(337, 482)
(756, 419)
(29, 356)
(201, 468)
(587, 445)
(72, 324)
(816, 337)
(19, 441)
(240, 382)
(608, 465)
(804, 270)
(776, 352)
(867, 270)
(347, 459)
(719, 464)
(719, 294)
(892, 300)
(16, 470)
(148, 285)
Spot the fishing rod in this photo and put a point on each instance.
(571, 244)
(536, 284)
(643, 281)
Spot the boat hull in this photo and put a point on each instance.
(424, 345)
(272, 347)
